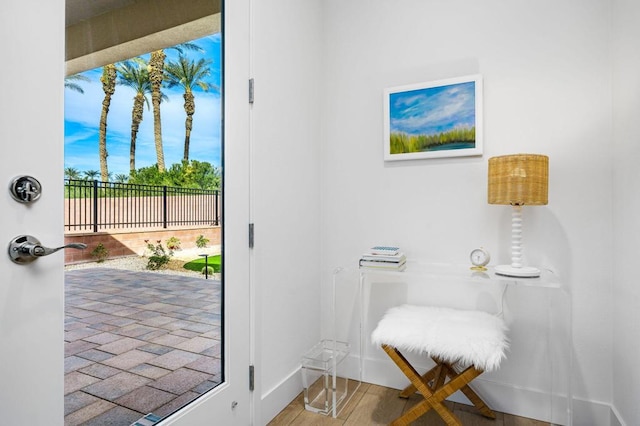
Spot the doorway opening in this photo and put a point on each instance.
(143, 318)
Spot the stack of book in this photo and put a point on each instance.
(384, 258)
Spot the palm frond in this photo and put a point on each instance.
(187, 46)
(70, 82)
(189, 74)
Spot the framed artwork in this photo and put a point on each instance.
(433, 120)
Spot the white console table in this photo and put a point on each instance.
(534, 381)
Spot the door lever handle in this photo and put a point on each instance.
(25, 249)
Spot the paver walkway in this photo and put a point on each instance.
(137, 343)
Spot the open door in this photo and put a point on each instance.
(31, 294)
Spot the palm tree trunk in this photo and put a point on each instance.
(156, 69)
(102, 143)
(132, 151)
(136, 118)
(190, 109)
(108, 80)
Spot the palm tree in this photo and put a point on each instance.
(156, 75)
(71, 173)
(135, 75)
(71, 82)
(91, 174)
(121, 178)
(189, 74)
(108, 81)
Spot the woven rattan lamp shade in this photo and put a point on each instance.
(520, 179)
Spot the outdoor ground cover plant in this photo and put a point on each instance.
(197, 265)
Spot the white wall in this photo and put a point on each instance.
(285, 193)
(626, 291)
(547, 89)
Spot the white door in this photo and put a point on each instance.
(32, 296)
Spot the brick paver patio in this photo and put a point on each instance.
(137, 343)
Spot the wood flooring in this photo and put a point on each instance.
(376, 405)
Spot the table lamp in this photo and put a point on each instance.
(518, 180)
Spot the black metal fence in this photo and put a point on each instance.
(95, 206)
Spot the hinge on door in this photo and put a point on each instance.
(251, 378)
(251, 235)
(251, 90)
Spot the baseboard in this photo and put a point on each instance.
(279, 396)
(590, 413)
(616, 418)
(594, 413)
(500, 396)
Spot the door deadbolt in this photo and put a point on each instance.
(25, 249)
(25, 189)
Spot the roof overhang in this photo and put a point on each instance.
(113, 30)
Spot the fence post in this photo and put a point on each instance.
(216, 200)
(164, 207)
(95, 205)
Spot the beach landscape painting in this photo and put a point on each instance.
(433, 120)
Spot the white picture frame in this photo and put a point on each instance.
(435, 119)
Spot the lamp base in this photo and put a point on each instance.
(522, 272)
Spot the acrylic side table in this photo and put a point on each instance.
(533, 381)
(331, 372)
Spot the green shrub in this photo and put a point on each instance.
(202, 241)
(208, 270)
(173, 243)
(100, 252)
(159, 257)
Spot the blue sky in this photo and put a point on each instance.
(433, 110)
(82, 118)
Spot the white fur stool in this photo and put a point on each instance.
(463, 344)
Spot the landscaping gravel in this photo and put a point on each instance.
(139, 263)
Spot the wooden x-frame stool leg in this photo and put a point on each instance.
(435, 389)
